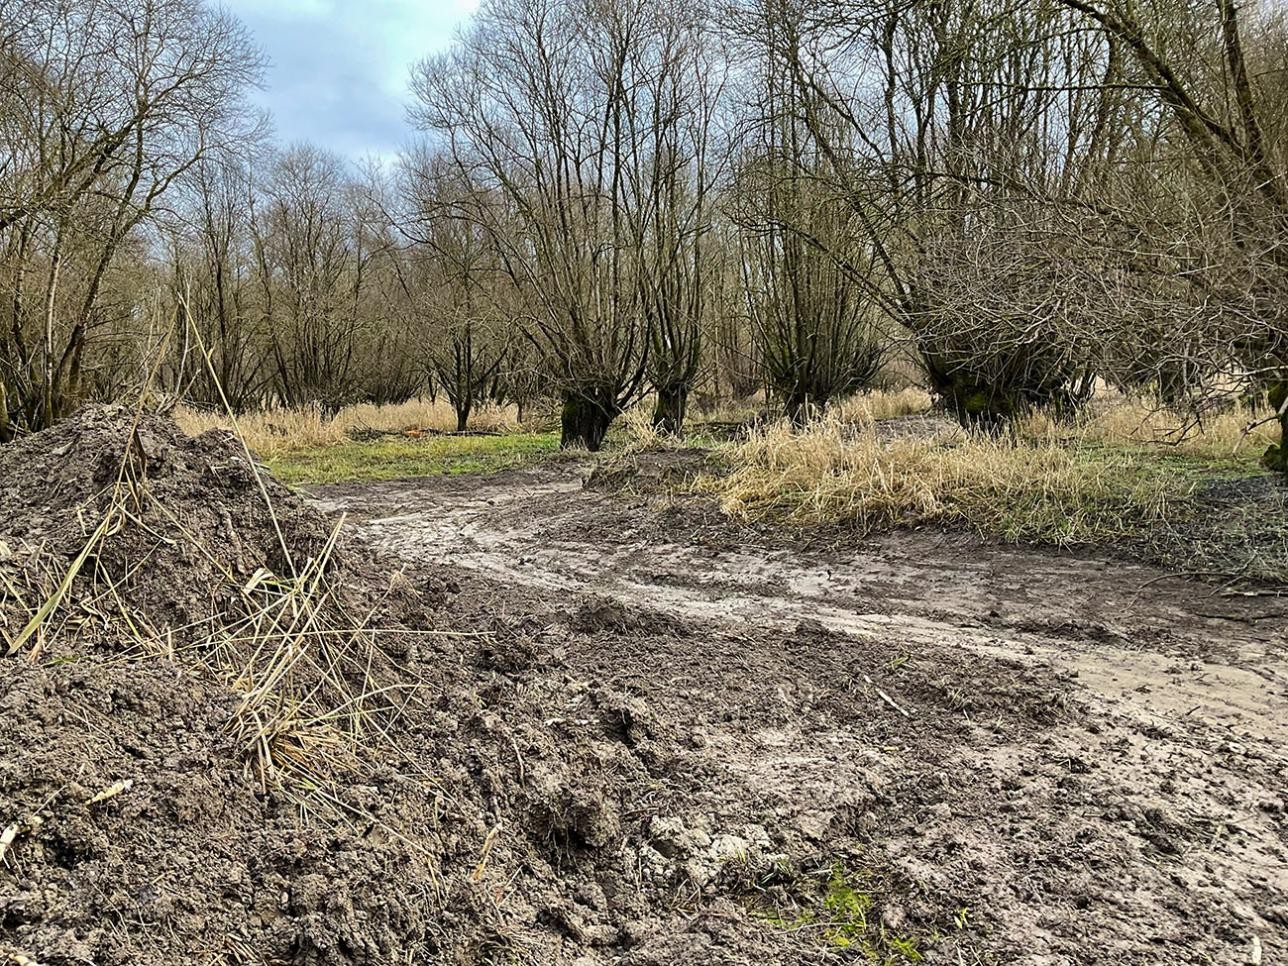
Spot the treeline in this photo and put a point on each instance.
(613, 199)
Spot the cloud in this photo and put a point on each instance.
(339, 69)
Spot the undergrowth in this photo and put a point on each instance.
(1046, 483)
(1237, 432)
(271, 432)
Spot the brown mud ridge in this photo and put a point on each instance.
(599, 728)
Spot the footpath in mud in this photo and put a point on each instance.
(1086, 758)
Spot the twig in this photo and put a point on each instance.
(886, 698)
(487, 849)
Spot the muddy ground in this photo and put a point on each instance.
(573, 716)
(1012, 755)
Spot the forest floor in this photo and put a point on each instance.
(1081, 758)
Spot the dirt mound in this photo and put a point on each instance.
(191, 667)
(597, 614)
(229, 735)
(177, 526)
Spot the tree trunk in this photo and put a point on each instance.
(463, 416)
(48, 390)
(6, 430)
(585, 422)
(668, 414)
(801, 406)
(974, 404)
(1276, 457)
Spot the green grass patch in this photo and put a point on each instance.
(1109, 492)
(398, 458)
(843, 915)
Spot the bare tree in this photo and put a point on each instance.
(94, 132)
(924, 112)
(671, 193)
(315, 247)
(213, 290)
(462, 300)
(569, 110)
(1220, 211)
(812, 321)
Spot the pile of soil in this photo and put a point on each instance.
(139, 828)
(1092, 764)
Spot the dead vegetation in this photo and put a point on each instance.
(270, 433)
(1039, 488)
(1123, 472)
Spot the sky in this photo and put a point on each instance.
(339, 68)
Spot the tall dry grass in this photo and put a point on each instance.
(637, 430)
(1041, 486)
(881, 404)
(275, 431)
(1238, 431)
(861, 407)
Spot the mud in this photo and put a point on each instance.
(1083, 757)
(612, 728)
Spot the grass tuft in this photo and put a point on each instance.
(843, 915)
(873, 406)
(1049, 483)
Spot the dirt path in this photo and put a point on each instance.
(1146, 824)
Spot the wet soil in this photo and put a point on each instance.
(1032, 757)
(528, 720)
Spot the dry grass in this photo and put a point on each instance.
(275, 431)
(881, 404)
(1040, 487)
(636, 428)
(1239, 431)
(728, 410)
(860, 408)
(306, 672)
